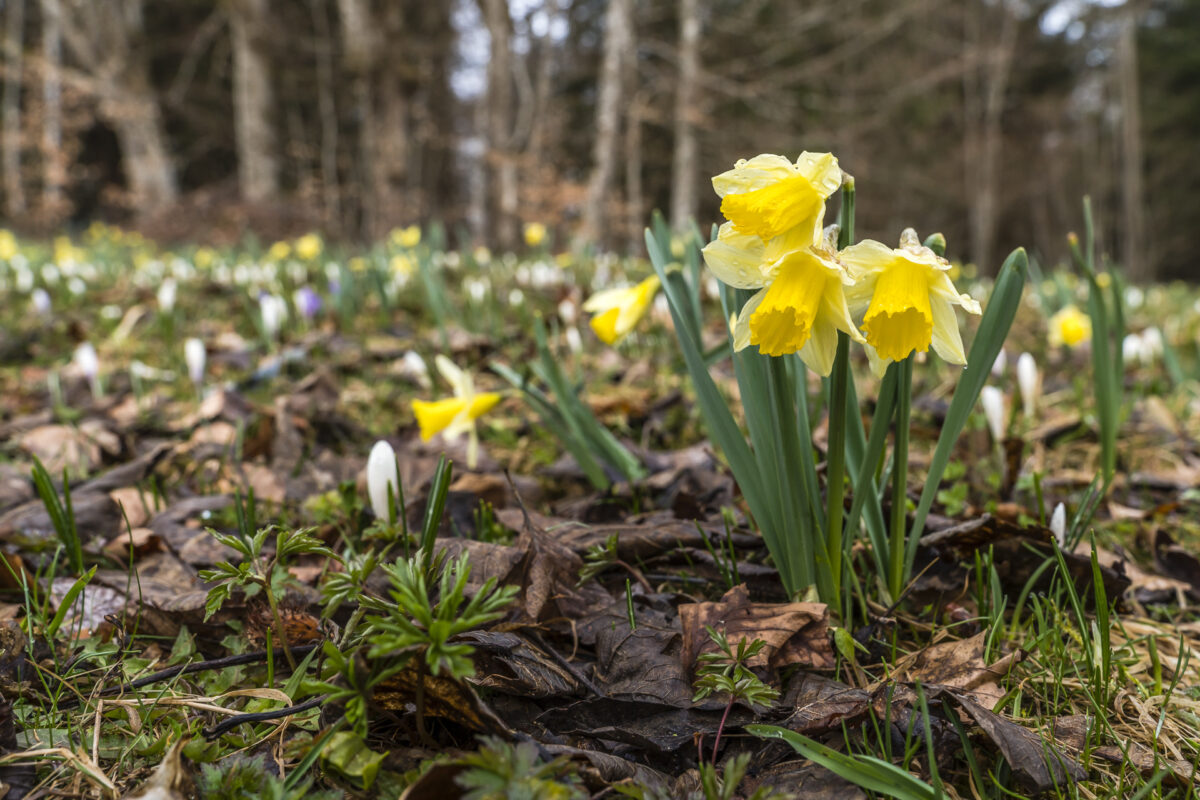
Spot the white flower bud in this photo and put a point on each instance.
(1027, 382)
(574, 340)
(167, 291)
(194, 355)
(40, 300)
(1058, 524)
(382, 473)
(992, 400)
(1131, 349)
(1000, 364)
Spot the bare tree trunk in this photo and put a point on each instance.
(683, 164)
(105, 38)
(1137, 266)
(379, 94)
(503, 180)
(633, 173)
(14, 191)
(618, 40)
(984, 116)
(54, 174)
(327, 108)
(253, 102)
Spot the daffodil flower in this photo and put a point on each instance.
(801, 303)
(455, 415)
(907, 300)
(1070, 327)
(781, 203)
(616, 311)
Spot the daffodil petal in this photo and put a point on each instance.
(784, 319)
(605, 325)
(737, 259)
(748, 175)
(822, 171)
(741, 326)
(459, 380)
(483, 403)
(878, 365)
(438, 415)
(947, 339)
(819, 351)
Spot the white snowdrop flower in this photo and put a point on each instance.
(712, 288)
(241, 274)
(516, 298)
(382, 473)
(273, 310)
(1027, 382)
(1152, 344)
(574, 340)
(1131, 349)
(194, 355)
(40, 300)
(23, 277)
(992, 400)
(51, 274)
(568, 311)
(112, 311)
(1058, 524)
(1134, 297)
(476, 289)
(89, 364)
(168, 290)
(1000, 364)
(76, 286)
(414, 367)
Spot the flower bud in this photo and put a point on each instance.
(167, 291)
(194, 355)
(382, 473)
(1027, 382)
(1000, 364)
(1131, 349)
(1058, 524)
(41, 301)
(992, 400)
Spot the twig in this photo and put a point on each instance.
(261, 716)
(187, 669)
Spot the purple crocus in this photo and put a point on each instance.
(307, 301)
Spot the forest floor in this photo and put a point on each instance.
(208, 607)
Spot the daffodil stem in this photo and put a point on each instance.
(900, 478)
(835, 465)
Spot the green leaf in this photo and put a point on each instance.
(868, 772)
(68, 601)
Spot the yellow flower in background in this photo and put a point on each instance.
(455, 415)
(408, 237)
(616, 311)
(308, 246)
(564, 260)
(535, 234)
(774, 199)
(204, 257)
(907, 300)
(357, 264)
(8, 244)
(65, 252)
(279, 251)
(1071, 327)
(402, 265)
(1103, 280)
(481, 255)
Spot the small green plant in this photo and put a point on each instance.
(502, 771)
(726, 672)
(62, 515)
(248, 777)
(259, 570)
(599, 557)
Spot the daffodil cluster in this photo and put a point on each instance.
(893, 301)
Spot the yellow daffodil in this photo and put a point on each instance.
(781, 203)
(204, 257)
(481, 255)
(455, 415)
(564, 260)
(1071, 327)
(357, 264)
(8, 244)
(408, 237)
(308, 246)
(801, 303)
(279, 251)
(535, 234)
(907, 300)
(402, 266)
(615, 312)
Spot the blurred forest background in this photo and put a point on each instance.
(986, 119)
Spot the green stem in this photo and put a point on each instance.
(835, 466)
(900, 479)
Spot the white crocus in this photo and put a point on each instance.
(1131, 349)
(1058, 524)
(274, 311)
(167, 292)
(1027, 382)
(89, 364)
(194, 355)
(40, 300)
(993, 403)
(412, 366)
(1000, 364)
(382, 474)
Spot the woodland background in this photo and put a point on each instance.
(204, 121)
